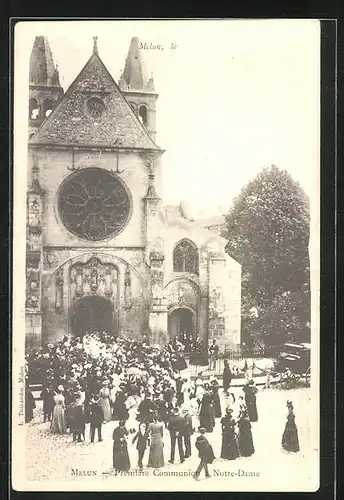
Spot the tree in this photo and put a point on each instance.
(267, 230)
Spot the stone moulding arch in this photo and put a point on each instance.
(187, 280)
(108, 259)
(185, 239)
(181, 306)
(194, 306)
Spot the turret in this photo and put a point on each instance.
(138, 88)
(45, 89)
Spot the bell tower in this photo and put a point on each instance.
(44, 85)
(138, 88)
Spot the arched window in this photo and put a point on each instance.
(185, 257)
(48, 105)
(143, 114)
(33, 109)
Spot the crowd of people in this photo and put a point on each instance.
(142, 387)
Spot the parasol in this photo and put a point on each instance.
(133, 370)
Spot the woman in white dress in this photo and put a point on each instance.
(104, 395)
(199, 387)
(58, 422)
(186, 389)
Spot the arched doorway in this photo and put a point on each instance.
(180, 320)
(92, 314)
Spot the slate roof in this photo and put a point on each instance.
(135, 73)
(70, 124)
(216, 220)
(42, 68)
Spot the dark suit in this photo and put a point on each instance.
(146, 411)
(142, 443)
(187, 431)
(176, 433)
(96, 420)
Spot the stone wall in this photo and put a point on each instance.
(224, 301)
(53, 167)
(158, 310)
(233, 302)
(33, 330)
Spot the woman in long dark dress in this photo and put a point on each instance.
(216, 398)
(120, 454)
(226, 377)
(178, 362)
(250, 391)
(120, 411)
(229, 449)
(206, 414)
(245, 442)
(290, 439)
(29, 405)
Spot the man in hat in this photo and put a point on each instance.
(146, 409)
(47, 395)
(175, 427)
(213, 355)
(96, 418)
(187, 431)
(162, 410)
(77, 417)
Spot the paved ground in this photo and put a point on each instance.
(51, 458)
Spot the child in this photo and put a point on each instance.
(205, 453)
(268, 378)
(142, 439)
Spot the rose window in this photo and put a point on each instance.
(94, 204)
(95, 107)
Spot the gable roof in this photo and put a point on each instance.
(69, 123)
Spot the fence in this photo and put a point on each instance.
(239, 358)
(241, 353)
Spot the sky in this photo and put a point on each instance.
(234, 96)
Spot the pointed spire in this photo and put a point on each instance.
(95, 45)
(150, 84)
(42, 66)
(151, 193)
(134, 72)
(35, 186)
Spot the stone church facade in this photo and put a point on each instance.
(103, 252)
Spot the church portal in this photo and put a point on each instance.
(92, 314)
